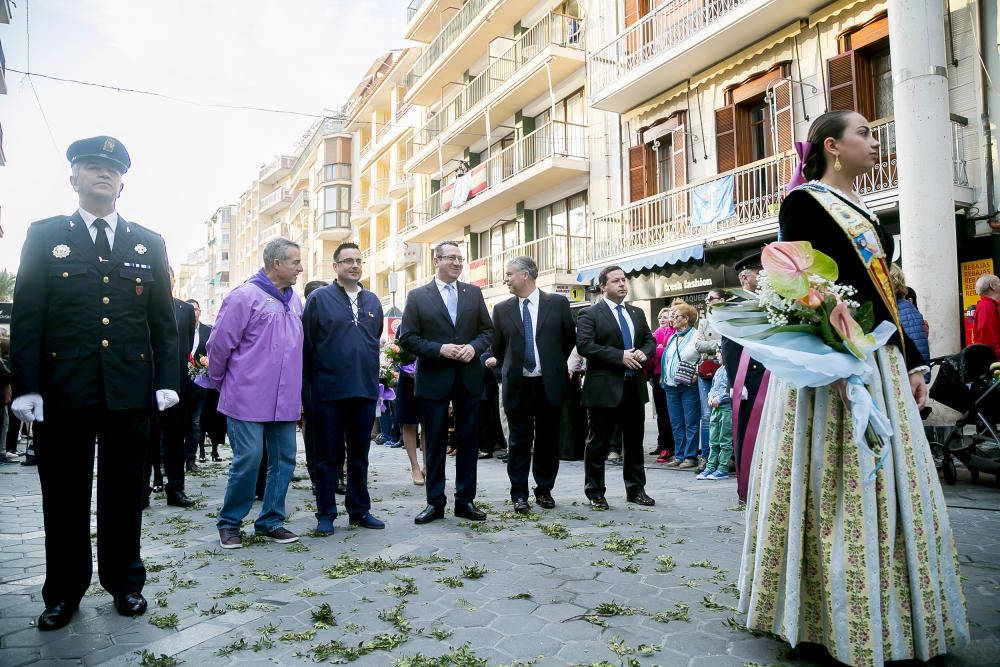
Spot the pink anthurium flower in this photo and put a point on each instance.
(813, 299)
(790, 263)
(855, 340)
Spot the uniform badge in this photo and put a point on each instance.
(60, 251)
(138, 290)
(141, 249)
(109, 146)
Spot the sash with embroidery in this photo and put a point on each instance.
(865, 241)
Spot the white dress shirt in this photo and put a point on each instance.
(353, 298)
(532, 300)
(628, 318)
(197, 339)
(110, 218)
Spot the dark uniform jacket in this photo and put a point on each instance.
(185, 319)
(426, 326)
(86, 333)
(555, 336)
(599, 340)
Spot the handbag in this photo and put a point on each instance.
(685, 373)
(708, 368)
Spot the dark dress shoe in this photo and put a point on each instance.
(202, 459)
(216, 457)
(179, 499)
(599, 503)
(130, 604)
(544, 500)
(157, 488)
(469, 511)
(56, 616)
(521, 506)
(429, 514)
(191, 466)
(366, 520)
(640, 498)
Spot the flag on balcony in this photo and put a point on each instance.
(712, 202)
(477, 180)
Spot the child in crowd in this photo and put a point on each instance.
(720, 447)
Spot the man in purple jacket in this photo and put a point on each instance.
(255, 360)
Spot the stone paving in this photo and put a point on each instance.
(630, 586)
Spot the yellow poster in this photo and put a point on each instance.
(970, 274)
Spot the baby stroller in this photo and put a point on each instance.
(965, 383)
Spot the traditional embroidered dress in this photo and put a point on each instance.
(867, 568)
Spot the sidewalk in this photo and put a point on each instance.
(561, 587)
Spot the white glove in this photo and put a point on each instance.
(28, 408)
(166, 399)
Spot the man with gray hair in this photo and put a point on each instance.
(533, 335)
(986, 320)
(255, 361)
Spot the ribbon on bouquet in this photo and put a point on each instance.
(409, 368)
(864, 415)
(384, 394)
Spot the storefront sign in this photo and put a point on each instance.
(669, 284)
(970, 274)
(574, 293)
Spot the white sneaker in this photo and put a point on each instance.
(703, 475)
(10, 457)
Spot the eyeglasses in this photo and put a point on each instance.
(457, 259)
(350, 261)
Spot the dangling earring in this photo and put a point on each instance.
(836, 164)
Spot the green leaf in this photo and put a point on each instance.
(748, 321)
(790, 287)
(824, 266)
(788, 328)
(866, 317)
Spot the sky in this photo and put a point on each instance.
(187, 160)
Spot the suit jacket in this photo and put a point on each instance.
(85, 332)
(599, 340)
(426, 326)
(204, 331)
(185, 319)
(555, 336)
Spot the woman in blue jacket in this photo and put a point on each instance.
(910, 318)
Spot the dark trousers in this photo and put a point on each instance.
(174, 424)
(664, 431)
(65, 456)
(309, 440)
(13, 430)
(534, 440)
(490, 428)
(213, 423)
(434, 413)
(630, 416)
(338, 423)
(196, 402)
(153, 458)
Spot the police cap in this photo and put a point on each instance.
(106, 148)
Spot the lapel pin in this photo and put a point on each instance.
(72, 224)
(60, 251)
(141, 249)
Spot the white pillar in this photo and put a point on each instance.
(923, 141)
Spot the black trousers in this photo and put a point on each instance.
(342, 424)
(630, 417)
(434, 416)
(65, 456)
(309, 440)
(173, 427)
(196, 403)
(152, 465)
(13, 430)
(534, 440)
(490, 428)
(664, 434)
(213, 423)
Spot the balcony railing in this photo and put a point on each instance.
(368, 146)
(402, 110)
(552, 254)
(280, 163)
(279, 196)
(455, 27)
(380, 189)
(272, 232)
(301, 202)
(654, 35)
(552, 29)
(412, 9)
(360, 203)
(382, 131)
(555, 138)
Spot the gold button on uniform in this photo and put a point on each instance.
(142, 355)
(65, 274)
(105, 321)
(105, 301)
(106, 280)
(53, 355)
(104, 343)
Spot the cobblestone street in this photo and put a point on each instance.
(560, 587)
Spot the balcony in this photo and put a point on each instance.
(275, 231)
(677, 40)
(299, 204)
(513, 79)
(333, 226)
(675, 220)
(276, 201)
(539, 161)
(422, 17)
(459, 44)
(359, 210)
(379, 198)
(276, 169)
(552, 254)
(399, 182)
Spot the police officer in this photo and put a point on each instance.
(93, 342)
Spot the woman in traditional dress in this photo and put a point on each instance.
(861, 563)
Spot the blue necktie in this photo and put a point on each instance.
(452, 302)
(529, 339)
(626, 334)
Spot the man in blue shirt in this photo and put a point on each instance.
(342, 325)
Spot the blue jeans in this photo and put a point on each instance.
(704, 386)
(684, 407)
(247, 440)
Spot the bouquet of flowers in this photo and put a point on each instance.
(403, 360)
(388, 376)
(809, 332)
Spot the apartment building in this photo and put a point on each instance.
(500, 156)
(192, 279)
(218, 230)
(711, 96)
(303, 196)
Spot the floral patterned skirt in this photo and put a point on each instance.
(867, 568)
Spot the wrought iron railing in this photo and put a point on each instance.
(451, 31)
(653, 35)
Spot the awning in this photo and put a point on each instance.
(646, 262)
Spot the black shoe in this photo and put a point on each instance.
(640, 498)
(429, 514)
(599, 503)
(544, 500)
(655, 452)
(130, 604)
(468, 511)
(202, 459)
(341, 489)
(216, 457)
(157, 488)
(56, 616)
(521, 506)
(179, 499)
(191, 466)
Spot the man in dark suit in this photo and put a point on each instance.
(198, 394)
(616, 341)
(94, 344)
(446, 324)
(533, 336)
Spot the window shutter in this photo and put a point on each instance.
(678, 147)
(634, 11)
(784, 121)
(725, 138)
(637, 170)
(841, 72)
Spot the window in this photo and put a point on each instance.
(336, 198)
(566, 222)
(335, 172)
(759, 127)
(757, 122)
(663, 159)
(225, 257)
(860, 77)
(659, 162)
(882, 82)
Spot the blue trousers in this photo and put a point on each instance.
(338, 423)
(704, 386)
(247, 440)
(684, 407)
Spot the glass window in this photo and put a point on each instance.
(882, 78)
(337, 198)
(542, 224)
(578, 215)
(558, 222)
(758, 132)
(663, 160)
